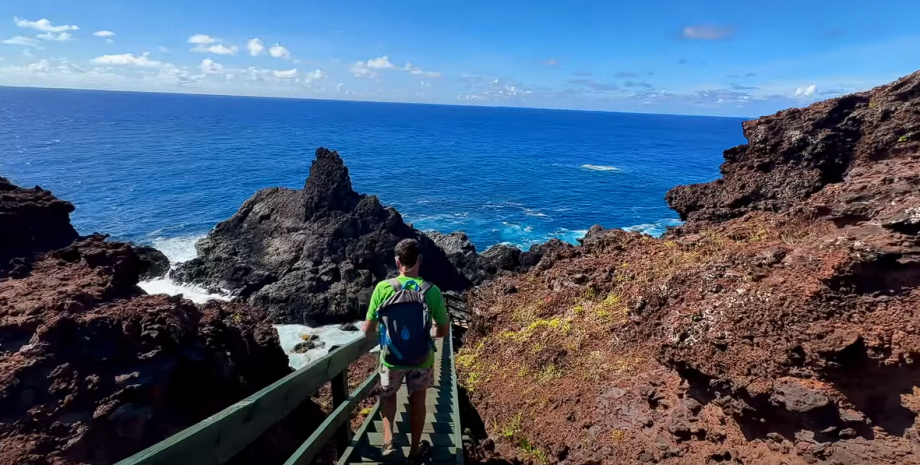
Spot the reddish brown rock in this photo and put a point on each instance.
(93, 370)
(777, 326)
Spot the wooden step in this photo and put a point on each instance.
(402, 439)
(367, 453)
(403, 427)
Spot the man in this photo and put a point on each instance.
(403, 309)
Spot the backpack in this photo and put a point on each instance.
(405, 324)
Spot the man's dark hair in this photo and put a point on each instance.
(407, 251)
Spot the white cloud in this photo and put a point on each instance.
(202, 39)
(359, 69)
(163, 49)
(255, 47)
(418, 72)
(370, 68)
(339, 86)
(278, 51)
(43, 25)
(42, 66)
(21, 40)
(291, 73)
(217, 49)
(104, 34)
(380, 63)
(59, 37)
(128, 59)
(314, 75)
(209, 66)
(807, 91)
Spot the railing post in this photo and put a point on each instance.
(340, 396)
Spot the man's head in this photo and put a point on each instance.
(408, 256)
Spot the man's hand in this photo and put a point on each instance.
(369, 328)
(443, 330)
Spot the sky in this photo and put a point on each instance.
(708, 57)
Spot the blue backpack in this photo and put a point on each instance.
(405, 324)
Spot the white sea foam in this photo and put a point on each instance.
(178, 250)
(655, 229)
(600, 168)
(291, 335)
(533, 212)
(167, 286)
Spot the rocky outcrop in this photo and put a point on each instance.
(32, 221)
(778, 325)
(500, 258)
(314, 255)
(93, 370)
(797, 152)
(156, 264)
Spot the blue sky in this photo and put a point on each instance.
(690, 57)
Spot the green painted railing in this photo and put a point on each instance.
(218, 438)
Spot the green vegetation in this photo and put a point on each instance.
(514, 427)
(904, 138)
(534, 451)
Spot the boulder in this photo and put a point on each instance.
(303, 347)
(155, 263)
(312, 256)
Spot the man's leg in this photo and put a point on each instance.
(417, 411)
(390, 381)
(418, 381)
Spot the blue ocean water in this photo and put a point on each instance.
(155, 167)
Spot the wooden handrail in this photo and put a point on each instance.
(218, 438)
(221, 436)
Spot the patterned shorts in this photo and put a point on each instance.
(417, 379)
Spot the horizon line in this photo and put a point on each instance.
(398, 102)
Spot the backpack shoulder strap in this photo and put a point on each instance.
(424, 288)
(397, 286)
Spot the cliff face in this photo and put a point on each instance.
(31, 221)
(91, 369)
(778, 325)
(314, 255)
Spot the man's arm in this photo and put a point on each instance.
(369, 328)
(438, 312)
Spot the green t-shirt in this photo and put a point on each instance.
(433, 298)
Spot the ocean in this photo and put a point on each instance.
(163, 169)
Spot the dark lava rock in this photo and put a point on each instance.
(348, 327)
(314, 255)
(303, 347)
(93, 370)
(155, 262)
(32, 221)
(480, 268)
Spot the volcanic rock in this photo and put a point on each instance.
(777, 325)
(480, 268)
(93, 370)
(312, 256)
(155, 262)
(32, 221)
